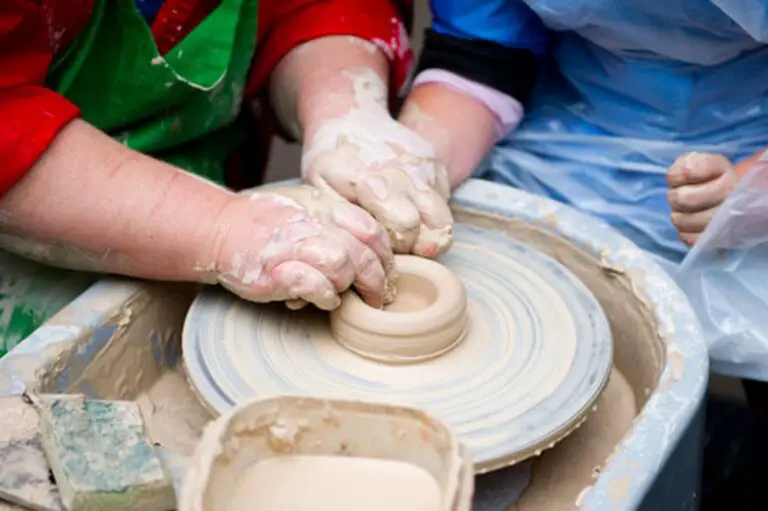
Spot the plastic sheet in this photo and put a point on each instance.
(725, 276)
(620, 180)
(630, 86)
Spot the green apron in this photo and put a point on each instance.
(181, 108)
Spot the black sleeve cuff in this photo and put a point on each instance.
(512, 71)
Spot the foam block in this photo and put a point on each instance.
(101, 457)
(24, 471)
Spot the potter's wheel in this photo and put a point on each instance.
(536, 355)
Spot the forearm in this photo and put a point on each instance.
(461, 129)
(326, 79)
(89, 203)
(482, 59)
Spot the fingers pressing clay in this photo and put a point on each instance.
(299, 283)
(389, 170)
(366, 229)
(369, 244)
(335, 172)
(370, 280)
(436, 230)
(349, 217)
(344, 260)
(393, 209)
(296, 305)
(299, 245)
(330, 255)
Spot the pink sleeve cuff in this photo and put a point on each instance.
(506, 110)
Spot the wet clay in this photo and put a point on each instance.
(536, 353)
(142, 339)
(640, 353)
(559, 477)
(561, 474)
(173, 415)
(334, 482)
(427, 318)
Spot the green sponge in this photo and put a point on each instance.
(101, 457)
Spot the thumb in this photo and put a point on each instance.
(436, 229)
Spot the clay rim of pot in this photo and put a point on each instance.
(395, 336)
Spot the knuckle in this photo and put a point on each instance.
(680, 161)
(336, 257)
(712, 163)
(372, 233)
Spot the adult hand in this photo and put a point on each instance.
(699, 183)
(113, 210)
(298, 244)
(370, 159)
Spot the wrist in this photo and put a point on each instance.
(461, 129)
(305, 94)
(91, 204)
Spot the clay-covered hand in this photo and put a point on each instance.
(699, 183)
(370, 159)
(298, 244)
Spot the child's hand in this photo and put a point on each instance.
(298, 244)
(699, 183)
(370, 159)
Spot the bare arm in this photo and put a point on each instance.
(477, 68)
(90, 203)
(461, 128)
(353, 148)
(315, 82)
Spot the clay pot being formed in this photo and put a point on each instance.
(277, 432)
(427, 318)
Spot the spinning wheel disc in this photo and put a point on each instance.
(537, 353)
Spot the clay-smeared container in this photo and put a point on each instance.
(427, 318)
(298, 426)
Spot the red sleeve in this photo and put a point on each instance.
(286, 24)
(30, 115)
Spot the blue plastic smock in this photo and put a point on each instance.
(627, 86)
